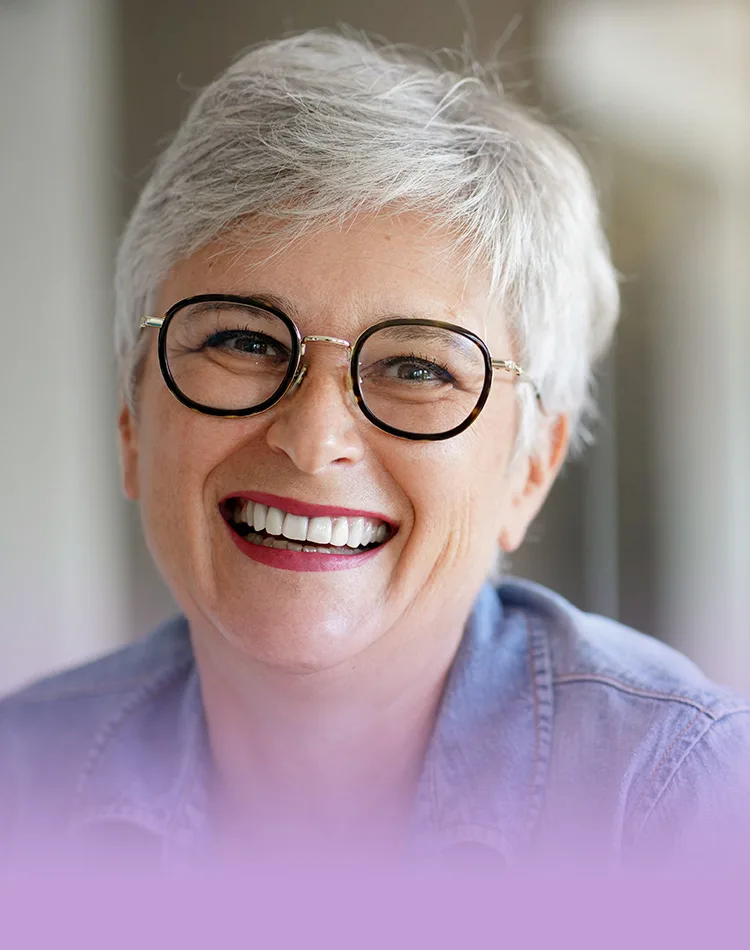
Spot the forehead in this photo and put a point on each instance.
(343, 278)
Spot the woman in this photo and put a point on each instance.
(359, 304)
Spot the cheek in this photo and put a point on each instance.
(168, 488)
(474, 487)
(170, 455)
(177, 445)
(178, 451)
(456, 489)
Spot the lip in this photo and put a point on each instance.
(304, 562)
(307, 509)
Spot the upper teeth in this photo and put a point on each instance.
(337, 532)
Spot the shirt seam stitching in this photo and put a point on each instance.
(84, 692)
(710, 728)
(655, 771)
(117, 718)
(668, 783)
(535, 694)
(625, 687)
(539, 643)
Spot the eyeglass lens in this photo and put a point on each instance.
(415, 378)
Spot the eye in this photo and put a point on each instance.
(247, 342)
(413, 369)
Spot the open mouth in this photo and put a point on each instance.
(271, 527)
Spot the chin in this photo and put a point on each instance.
(300, 653)
(296, 641)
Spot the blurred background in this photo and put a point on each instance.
(651, 527)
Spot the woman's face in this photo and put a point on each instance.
(447, 504)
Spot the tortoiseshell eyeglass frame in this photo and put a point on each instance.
(297, 369)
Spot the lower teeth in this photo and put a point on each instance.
(282, 544)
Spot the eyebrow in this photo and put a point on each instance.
(272, 301)
(208, 306)
(276, 302)
(406, 333)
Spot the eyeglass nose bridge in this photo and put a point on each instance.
(326, 339)
(302, 370)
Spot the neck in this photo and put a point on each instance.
(328, 755)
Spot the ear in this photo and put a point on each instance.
(531, 479)
(128, 433)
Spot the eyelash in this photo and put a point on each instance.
(231, 331)
(228, 331)
(421, 361)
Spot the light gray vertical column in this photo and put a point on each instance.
(601, 507)
(703, 428)
(60, 571)
(673, 83)
(735, 236)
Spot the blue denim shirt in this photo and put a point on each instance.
(557, 731)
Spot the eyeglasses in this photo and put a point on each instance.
(232, 356)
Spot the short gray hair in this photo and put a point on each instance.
(316, 127)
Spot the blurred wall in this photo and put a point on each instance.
(61, 555)
(663, 89)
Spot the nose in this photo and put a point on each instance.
(315, 423)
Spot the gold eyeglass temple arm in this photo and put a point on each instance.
(510, 366)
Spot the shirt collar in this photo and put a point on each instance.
(486, 765)
(484, 772)
(150, 765)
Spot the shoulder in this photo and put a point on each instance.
(662, 750)
(593, 654)
(74, 696)
(48, 729)
(130, 668)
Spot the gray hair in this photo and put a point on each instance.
(317, 127)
